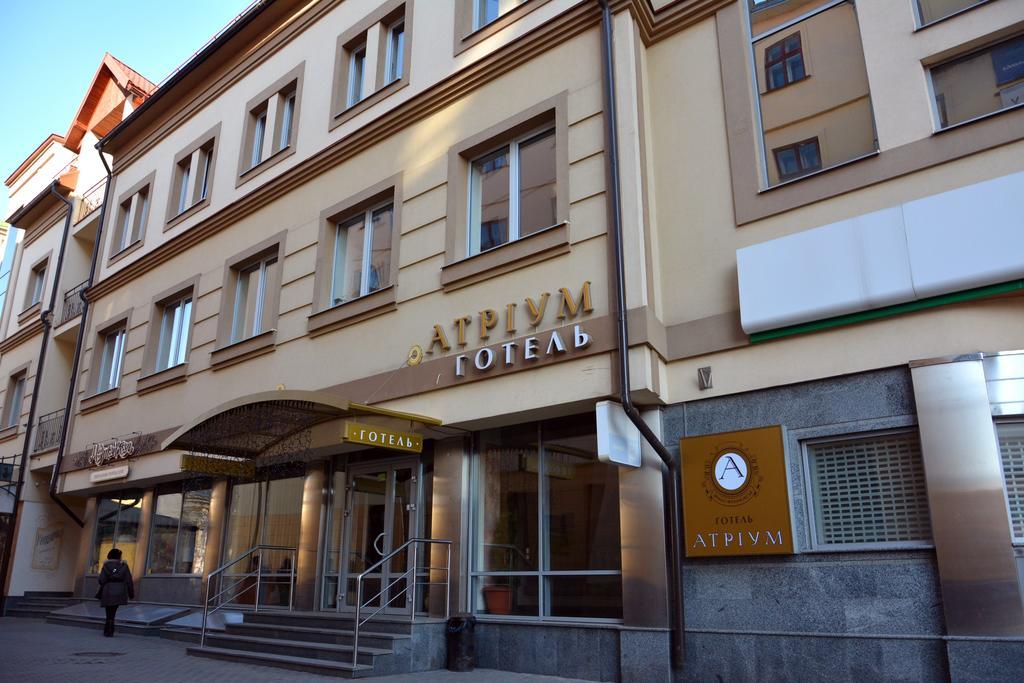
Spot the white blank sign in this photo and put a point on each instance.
(618, 440)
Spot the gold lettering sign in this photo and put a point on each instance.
(217, 466)
(735, 494)
(372, 435)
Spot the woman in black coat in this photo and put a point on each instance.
(116, 587)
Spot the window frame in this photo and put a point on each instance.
(129, 494)
(325, 314)
(279, 92)
(795, 146)
(390, 62)
(376, 85)
(153, 376)
(95, 396)
(18, 375)
(815, 545)
(227, 348)
(206, 147)
(782, 60)
(1016, 541)
(182, 488)
(543, 540)
(468, 34)
(38, 274)
(920, 23)
(460, 268)
(139, 218)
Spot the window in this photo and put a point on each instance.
(271, 124)
(181, 519)
(356, 73)
(784, 62)
(117, 526)
(512, 191)
(932, 10)
(486, 11)
(15, 397)
(249, 314)
(192, 179)
(132, 214)
(371, 60)
(796, 160)
(546, 520)
(362, 254)
(111, 354)
(981, 83)
(792, 40)
(36, 283)
(1011, 451)
(175, 322)
(395, 60)
(868, 491)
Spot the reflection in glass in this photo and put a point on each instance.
(117, 526)
(980, 83)
(490, 193)
(508, 500)
(812, 85)
(166, 516)
(933, 10)
(589, 597)
(537, 201)
(367, 520)
(508, 595)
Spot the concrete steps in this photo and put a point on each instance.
(38, 605)
(320, 643)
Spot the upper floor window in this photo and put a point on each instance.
(372, 59)
(36, 284)
(15, 397)
(271, 124)
(175, 321)
(193, 175)
(132, 214)
(929, 11)
(512, 191)
(111, 355)
(362, 254)
(980, 83)
(248, 317)
(811, 80)
(486, 11)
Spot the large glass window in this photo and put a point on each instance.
(395, 59)
(117, 526)
(362, 254)
(111, 355)
(15, 397)
(933, 10)
(175, 320)
(547, 523)
(812, 86)
(512, 191)
(980, 83)
(181, 519)
(486, 11)
(251, 287)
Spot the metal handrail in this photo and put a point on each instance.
(414, 582)
(73, 303)
(48, 431)
(221, 571)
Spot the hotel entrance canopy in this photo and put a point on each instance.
(254, 425)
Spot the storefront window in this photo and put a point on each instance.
(180, 524)
(980, 83)
(547, 516)
(117, 526)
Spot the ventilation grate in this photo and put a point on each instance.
(870, 490)
(1011, 448)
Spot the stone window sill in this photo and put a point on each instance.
(8, 433)
(190, 211)
(243, 350)
(100, 400)
(30, 312)
(350, 312)
(539, 246)
(163, 378)
(342, 115)
(131, 248)
(275, 158)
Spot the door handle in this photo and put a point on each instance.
(380, 551)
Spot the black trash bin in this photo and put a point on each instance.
(461, 642)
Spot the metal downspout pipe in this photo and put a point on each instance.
(80, 342)
(47, 319)
(671, 461)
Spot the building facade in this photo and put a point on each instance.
(356, 284)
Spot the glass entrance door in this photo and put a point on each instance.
(379, 515)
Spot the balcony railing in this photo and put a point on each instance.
(48, 431)
(90, 200)
(73, 303)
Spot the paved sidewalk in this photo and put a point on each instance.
(49, 653)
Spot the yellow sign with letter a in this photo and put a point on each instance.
(372, 435)
(736, 494)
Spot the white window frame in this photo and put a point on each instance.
(355, 89)
(504, 7)
(287, 114)
(38, 284)
(186, 166)
(812, 522)
(109, 376)
(205, 160)
(172, 343)
(473, 207)
(240, 301)
(395, 59)
(15, 400)
(259, 130)
(364, 272)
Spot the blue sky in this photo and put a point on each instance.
(52, 48)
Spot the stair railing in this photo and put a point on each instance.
(241, 586)
(412, 581)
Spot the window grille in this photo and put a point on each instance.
(1011, 448)
(869, 490)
